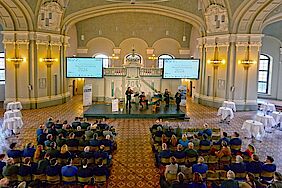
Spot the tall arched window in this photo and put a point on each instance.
(105, 59)
(161, 59)
(264, 74)
(2, 68)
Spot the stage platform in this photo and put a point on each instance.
(105, 111)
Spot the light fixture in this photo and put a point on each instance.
(16, 60)
(184, 33)
(113, 56)
(216, 61)
(153, 57)
(48, 60)
(247, 62)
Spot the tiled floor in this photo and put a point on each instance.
(133, 163)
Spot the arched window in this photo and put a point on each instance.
(105, 59)
(2, 68)
(161, 59)
(264, 74)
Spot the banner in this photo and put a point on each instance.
(115, 105)
(87, 95)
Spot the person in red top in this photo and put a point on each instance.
(250, 150)
(225, 150)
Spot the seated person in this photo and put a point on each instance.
(155, 126)
(224, 138)
(69, 170)
(60, 140)
(94, 141)
(49, 123)
(101, 154)
(230, 182)
(10, 169)
(169, 132)
(191, 152)
(64, 153)
(205, 142)
(76, 123)
(179, 153)
(107, 142)
(238, 167)
(268, 166)
(195, 140)
(13, 152)
(250, 150)
(25, 168)
(277, 180)
(165, 153)
(43, 164)
(42, 137)
(58, 125)
(29, 150)
(53, 131)
(172, 168)
(173, 141)
(100, 169)
(109, 132)
(40, 130)
(89, 133)
(197, 181)
(102, 124)
(200, 167)
(224, 151)
(2, 163)
(86, 153)
(184, 141)
(180, 182)
(84, 124)
(49, 140)
(207, 131)
(52, 151)
(72, 141)
(255, 166)
(79, 132)
(85, 171)
(142, 100)
(53, 169)
(83, 142)
(235, 141)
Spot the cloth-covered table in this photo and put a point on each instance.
(229, 104)
(12, 113)
(277, 116)
(225, 112)
(267, 107)
(14, 106)
(267, 120)
(12, 124)
(254, 129)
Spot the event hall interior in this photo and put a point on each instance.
(140, 93)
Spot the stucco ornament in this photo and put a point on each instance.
(216, 19)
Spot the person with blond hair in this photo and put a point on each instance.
(64, 153)
(184, 141)
(230, 182)
(173, 141)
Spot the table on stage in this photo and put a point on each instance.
(267, 120)
(267, 107)
(12, 113)
(229, 104)
(254, 129)
(277, 117)
(225, 112)
(14, 106)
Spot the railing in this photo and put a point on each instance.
(115, 71)
(150, 72)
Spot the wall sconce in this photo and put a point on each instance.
(153, 57)
(113, 56)
(48, 61)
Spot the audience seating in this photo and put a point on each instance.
(53, 180)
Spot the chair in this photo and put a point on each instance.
(105, 161)
(73, 149)
(204, 150)
(82, 180)
(224, 160)
(180, 161)
(12, 178)
(80, 148)
(212, 175)
(235, 147)
(240, 176)
(222, 174)
(158, 139)
(41, 177)
(24, 178)
(165, 161)
(107, 149)
(267, 175)
(69, 180)
(76, 161)
(17, 160)
(100, 179)
(212, 162)
(94, 148)
(53, 180)
(191, 160)
(170, 177)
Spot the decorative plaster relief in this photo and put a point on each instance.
(216, 19)
(50, 15)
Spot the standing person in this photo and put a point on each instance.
(177, 100)
(128, 94)
(166, 97)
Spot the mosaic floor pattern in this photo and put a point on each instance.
(133, 162)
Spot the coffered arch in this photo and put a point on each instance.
(143, 8)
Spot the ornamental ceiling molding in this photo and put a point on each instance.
(137, 1)
(273, 19)
(142, 8)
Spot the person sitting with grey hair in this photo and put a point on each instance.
(230, 182)
(238, 167)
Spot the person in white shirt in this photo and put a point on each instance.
(172, 168)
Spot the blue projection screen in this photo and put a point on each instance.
(84, 67)
(181, 68)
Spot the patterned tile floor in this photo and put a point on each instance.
(133, 162)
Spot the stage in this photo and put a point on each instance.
(105, 111)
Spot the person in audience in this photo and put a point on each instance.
(86, 153)
(184, 141)
(49, 122)
(195, 140)
(159, 132)
(40, 130)
(200, 167)
(154, 127)
(164, 139)
(54, 169)
(107, 142)
(4, 182)
(230, 182)
(224, 151)
(172, 168)
(277, 181)
(84, 124)
(58, 125)
(207, 130)
(49, 140)
(178, 132)
(10, 169)
(43, 164)
(60, 140)
(53, 131)
(197, 181)
(64, 153)
(52, 151)
(83, 142)
(165, 153)
(84, 171)
(224, 138)
(42, 138)
(89, 133)
(250, 181)
(239, 166)
(255, 166)
(91, 184)
(179, 153)
(169, 132)
(29, 150)
(102, 124)
(180, 183)
(39, 153)
(108, 132)
(25, 168)
(250, 150)
(13, 152)
(93, 126)
(79, 132)
(191, 152)
(205, 142)
(268, 166)
(94, 141)
(100, 169)
(235, 141)
(2, 163)
(69, 170)
(76, 123)
(72, 141)
(173, 141)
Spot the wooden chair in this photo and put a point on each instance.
(73, 149)
(225, 160)
(212, 162)
(190, 161)
(170, 177)
(100, 179)
(12, 178)
(204, 150)
(76, 161)
(41, 177)
(82, 180)
(165, 161)
(69, 180)
(240, 176)
(212, 175)
(53, 180)
(222, 174)
(180, 161)
(267, 175)
(24, 178)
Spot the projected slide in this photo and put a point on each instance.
(181, 68)
(84, 67)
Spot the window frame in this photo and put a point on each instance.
(265, 57)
